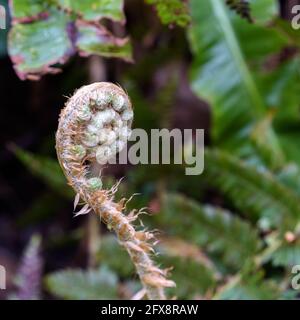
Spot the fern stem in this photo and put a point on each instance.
(92, 127)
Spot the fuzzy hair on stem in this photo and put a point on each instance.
(94, 125)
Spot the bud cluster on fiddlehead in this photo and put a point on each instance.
(94, 126)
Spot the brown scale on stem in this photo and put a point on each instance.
(94, 126)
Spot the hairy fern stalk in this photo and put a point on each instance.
(95, 125)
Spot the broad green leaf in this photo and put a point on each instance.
(93, 40)
(214, 229)
(36, 47)
(46, 34)
(74, 284)
(172, 11)
(96, 9)
(228, 65)
(281, 88)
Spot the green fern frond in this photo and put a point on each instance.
(256, 193)
(217, 231)
(287, 255)
(191, 277)
(241, 7)
(248, 287)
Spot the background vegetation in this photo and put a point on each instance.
(230, 67)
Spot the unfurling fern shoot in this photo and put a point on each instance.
(94, 126)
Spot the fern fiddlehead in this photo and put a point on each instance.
(95, 125)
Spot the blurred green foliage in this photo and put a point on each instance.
(172, 11)
(78, 285)
(213, 229)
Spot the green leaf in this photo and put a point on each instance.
(255, 191)
(76, 284)
(35, 47)
(227, 71)
(214, 229)
(46, 169)
(94, 10)
(95, 40)
(46, 34)
(172, 11)
(281, 88)
(242, 83)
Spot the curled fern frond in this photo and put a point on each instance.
(94, 126)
